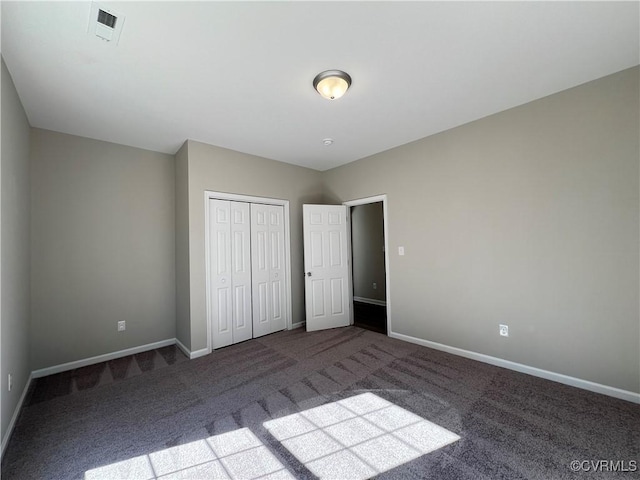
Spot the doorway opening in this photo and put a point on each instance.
(369, 263)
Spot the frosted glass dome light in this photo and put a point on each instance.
(332, 84)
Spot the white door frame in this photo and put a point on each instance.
(211, 195)
(385, 215)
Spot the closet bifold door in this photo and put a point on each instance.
(230, 237)
(267, 268)
(241, 271)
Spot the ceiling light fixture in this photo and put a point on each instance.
(328, 141)
(332, 84)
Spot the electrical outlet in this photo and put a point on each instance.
(401, 251)
(122, 326)
(375, 285)
(10, 383)
(504, 330)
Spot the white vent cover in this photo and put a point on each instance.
(105, 23)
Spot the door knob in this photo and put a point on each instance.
(308, 274)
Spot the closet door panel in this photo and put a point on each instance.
(277, 273)
(241, 271)
(221, 273)
(268, 275)
(260, 253)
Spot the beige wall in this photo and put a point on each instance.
(102, 246)
(530, 218)
(14, 246)
(183, 295)
(222, 170)
(367, 240)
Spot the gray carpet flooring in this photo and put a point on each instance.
(511, 425)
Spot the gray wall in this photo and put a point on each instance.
(102, 246)
(222, 170)
(530, 218)
(14, 242)
(183, 295)
(367, 240)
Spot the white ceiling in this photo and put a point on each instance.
(239, 75)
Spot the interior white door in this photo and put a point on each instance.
(241, 271)
(267, 264)
(220, 268)
(327, 289)
(230, 268)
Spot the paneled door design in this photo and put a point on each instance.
(230, 257)
(327, 289)
(267, 271)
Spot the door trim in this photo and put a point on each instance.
(212, 195)
(385, 215)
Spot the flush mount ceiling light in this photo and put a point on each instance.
(332, 84)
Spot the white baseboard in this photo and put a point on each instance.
(298, 325)
(184, 349)
(43, 372)
(14, 418)
(372, 301)
(519, 367)
(198, 353)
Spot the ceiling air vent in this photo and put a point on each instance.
(105, 23)
(106, 18)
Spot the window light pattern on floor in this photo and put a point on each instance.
(358, 437)
(238, 455)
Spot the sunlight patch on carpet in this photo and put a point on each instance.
(238, 454)
(358, 437)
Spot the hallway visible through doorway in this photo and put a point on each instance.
(369, 316)
(369, 269)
